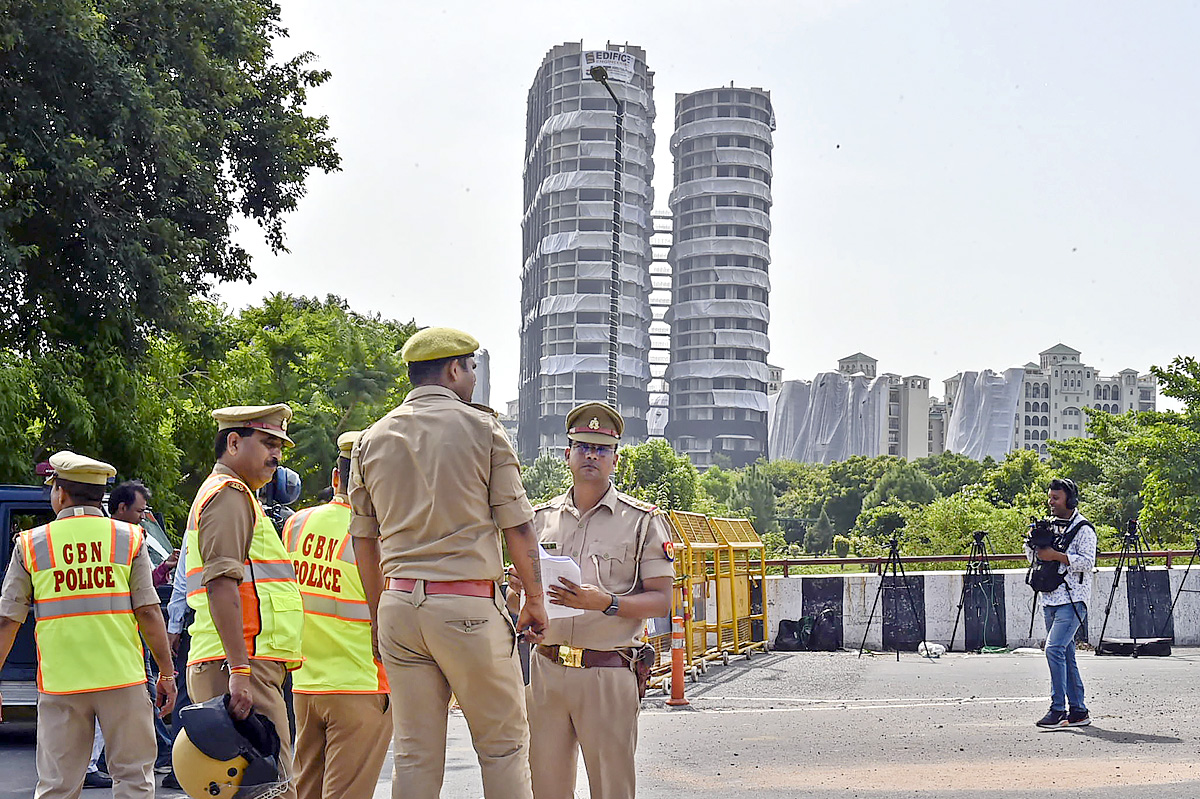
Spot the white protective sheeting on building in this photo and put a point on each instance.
(984, 415)
(729, 398)
(751, 370)
(566, 303)
(741, 338)
(704, 309)
(830, 419)
(570, 364)
(625, 335)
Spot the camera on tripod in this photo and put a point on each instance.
(1131, 531)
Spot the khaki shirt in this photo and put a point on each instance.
(16, 597)
(225, 530)
(436, 480)
(603, 541)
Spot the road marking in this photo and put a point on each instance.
(851, 704)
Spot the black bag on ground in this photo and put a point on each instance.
(793, 635)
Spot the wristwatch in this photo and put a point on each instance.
(613, 606)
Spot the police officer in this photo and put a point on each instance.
(343, 718)
(583, 693)
(432, 484)
(240, 580)
(88, 578)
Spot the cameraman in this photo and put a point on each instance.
(1065, 606)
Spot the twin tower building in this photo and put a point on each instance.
(694, 283)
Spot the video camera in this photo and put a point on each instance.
(275, 496)
(1042, 533)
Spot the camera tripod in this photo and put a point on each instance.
(894, 568)
(976, 578)
(1181, 589)
(1133, 560)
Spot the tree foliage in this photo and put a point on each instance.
(131, 133)
(902, 482)
(654, 473)
(546, 477)
(754, 497)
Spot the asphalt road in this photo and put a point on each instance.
(832, 725)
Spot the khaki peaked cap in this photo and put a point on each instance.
(80, 469)
(435, 343)
(346, 442)
(595, 423)
(272, 419)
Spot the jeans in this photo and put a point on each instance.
(1066, 688)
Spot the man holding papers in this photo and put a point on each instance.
(583, 692)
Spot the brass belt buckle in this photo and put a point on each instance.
(570, 656)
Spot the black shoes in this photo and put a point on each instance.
(1061, 718)
(1055, 718)
(97, 779)
(169, 781)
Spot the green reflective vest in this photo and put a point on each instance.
(272, 611)
(87, 636)
(337, 623)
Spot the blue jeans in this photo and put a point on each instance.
(1066, 688)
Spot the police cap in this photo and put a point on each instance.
(346, 442)
(435, 343)
(272, 419)
(595, 423)
(79, 469)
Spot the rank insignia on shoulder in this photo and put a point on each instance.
(669, 550)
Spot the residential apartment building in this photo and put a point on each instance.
(567, 243)
(720, 262)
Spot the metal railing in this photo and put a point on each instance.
(1171, 555)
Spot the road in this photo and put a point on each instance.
(833, 725)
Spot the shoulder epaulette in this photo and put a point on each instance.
(648, 507)
(553, 502)
(479, 406)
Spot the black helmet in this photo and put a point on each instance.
(215, 755)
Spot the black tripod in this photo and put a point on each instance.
(1181, 589)
(977, 578)
(895, 567)
(1133, 559)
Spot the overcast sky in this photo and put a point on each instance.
(957, 185)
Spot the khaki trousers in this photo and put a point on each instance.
(594, 710)
(432, 646)
(341, 742)
(65, 726)
(206, 680)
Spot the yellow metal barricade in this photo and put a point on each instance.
(746, 575)
(707, 556)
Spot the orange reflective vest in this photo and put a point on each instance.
(272, 611)
(337, 621)
(87, 636)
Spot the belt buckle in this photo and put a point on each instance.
(570, 656)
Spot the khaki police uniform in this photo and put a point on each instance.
(588, 700)
(343, 711)
(435, 481)
(225, 520)
(66, 720)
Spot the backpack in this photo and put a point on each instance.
(808, 633)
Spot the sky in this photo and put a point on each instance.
(957, 186)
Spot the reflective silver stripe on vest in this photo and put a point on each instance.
(122, 543)
(254, 571)
(41, 548)
(271, 571)
(328, 606)
(111, 603)
(348, 553)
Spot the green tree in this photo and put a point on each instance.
(950, 471)
(132, 133)
(880, 522)
(546, 477)
(718, 483)
(903, 482)
(753, 495)
(851, 480)
(654, 473)
(1019, 480)
(819, 537)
